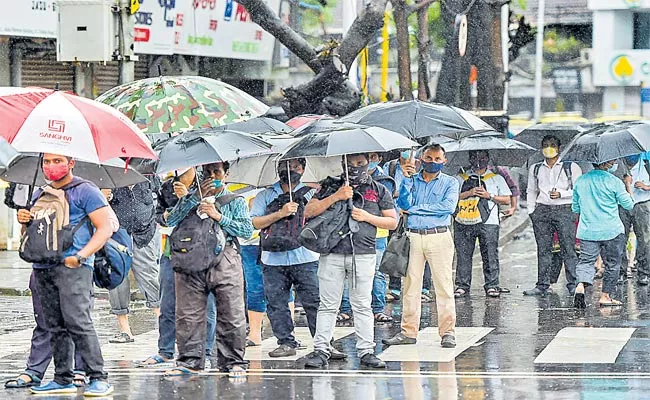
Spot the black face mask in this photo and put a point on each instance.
(285, 177)
(358, 175)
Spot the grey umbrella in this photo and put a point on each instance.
(533, 136)
(503, 152)
(7, 154)
(609, 142)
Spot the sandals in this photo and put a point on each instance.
(425, 298)
(493, 292)
(122, 337)
(180, 371)
(381, 317)
(20, 383)
(343, 319)
(612, 303)
(460, 293)
(157, 361)
(393, 296)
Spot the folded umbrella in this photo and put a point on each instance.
(609, 142)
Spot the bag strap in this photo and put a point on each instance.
(566, 167)
(303, 191)
(227, 199)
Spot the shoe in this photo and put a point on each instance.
(122, 337)
(643, 281)
(579, 301)
(399, 339)
(99, 388)
(337, 355)
(54, 388)
(283, 351)
(371, 360)
(448, 341)
(535, 292)
(316, 359)
(208, 363)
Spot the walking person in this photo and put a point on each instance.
(135, 207)
(429, 199)
(482, 191)
(169, 193)
(206, 259)
(65, 288)
(353, 257)
(596, 197)
(549, 198)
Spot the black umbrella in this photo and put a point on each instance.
(609, 142)
(533, 136)
(416, 119)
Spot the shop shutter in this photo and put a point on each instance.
(42, 69)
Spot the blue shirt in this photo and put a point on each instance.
(429, 205)
(399, 175)
(281, 258)
(596, 197)
(83, 200)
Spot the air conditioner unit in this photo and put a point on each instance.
(85, 30)
(586, 56)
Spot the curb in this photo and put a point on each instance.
(506, 237)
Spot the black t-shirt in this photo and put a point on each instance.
(371, 197)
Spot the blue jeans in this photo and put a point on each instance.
(611, 251)
(167, 319)
(255, 300)
(379, 285)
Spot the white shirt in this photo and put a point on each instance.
(548, 178)
(640, 174)
(496, 186)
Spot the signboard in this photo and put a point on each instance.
(221, 28)
(31, 18)
(617, 4)
(154, 27)
(625, 68)
(461, 27)
(567, 80)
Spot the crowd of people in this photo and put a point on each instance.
(209, 284)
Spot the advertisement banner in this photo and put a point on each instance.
(31, 18)
(221, 28)
(154, 27)
(621, 68)
(617, 4)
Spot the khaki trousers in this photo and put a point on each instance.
(438, 250)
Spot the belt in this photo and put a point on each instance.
(432, 231)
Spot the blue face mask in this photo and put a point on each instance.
(432, 167)
(217, 183)
(613, 168)
(372, 165)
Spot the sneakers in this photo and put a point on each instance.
(316, 359)
(98, 388)
(448, 341)
(371, 360)
(54, 388)
(535, 292)
(283, 351)
(337, 355)
(399, 339)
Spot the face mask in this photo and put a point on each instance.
(285, 177)
(550, 152)
(632, 160)
(405, 154)
(480, 164)
(372, 165)
(358, 175)
(217, 183)
(612, 169)
(432, 167)
(55, 172)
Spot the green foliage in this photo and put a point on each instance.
(312, 21)
(523, 4)
(436, 26)
(559, 48)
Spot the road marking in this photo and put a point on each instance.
(302, 334)
(428, 348)
(577, 345)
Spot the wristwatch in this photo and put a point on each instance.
(80, 259)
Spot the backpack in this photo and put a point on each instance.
(113, 261)
(473, 210)
(566, 167)
(283, 235)
(49, 234)
(196, 243)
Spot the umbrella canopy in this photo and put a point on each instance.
(533, 136)
(609, 142)
(417, 119)
(7, 154)
(108, 175)
(348, 141)
(259, 126)
(182, 103)
(503, 152)
(324, 125)
(203, 147)
(300, 120)
(36, 120)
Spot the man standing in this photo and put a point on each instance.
(481, 193)
(429, 200)
(354, 256)
(596, 197)
(285, 263)
(66, 288)
(549, 197)
(221, 273)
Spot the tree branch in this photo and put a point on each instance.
(362, 30)
(263, 16)
(418, 6)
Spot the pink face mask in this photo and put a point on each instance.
(55, 172)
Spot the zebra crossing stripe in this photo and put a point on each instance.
(302, 334)
(580, 345)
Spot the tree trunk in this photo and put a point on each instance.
(453, 82)
(424, 92)
(403, 49)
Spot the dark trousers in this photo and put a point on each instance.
(610, 251)
(396, 283)
(639, 220)
(226, 281)
(465, 242)
(67, 296)
(547, 220)
(277, 288)
(40, 352)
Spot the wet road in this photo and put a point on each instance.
(509, 348)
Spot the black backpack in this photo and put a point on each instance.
(196, 243)
(283, 235)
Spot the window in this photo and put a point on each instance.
(642, 30)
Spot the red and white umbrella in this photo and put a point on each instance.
(36, 120)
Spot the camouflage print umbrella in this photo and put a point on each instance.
(182, 103)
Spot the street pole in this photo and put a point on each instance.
(505, 53)
(385, 50)
(539, 60)
(125, 28)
